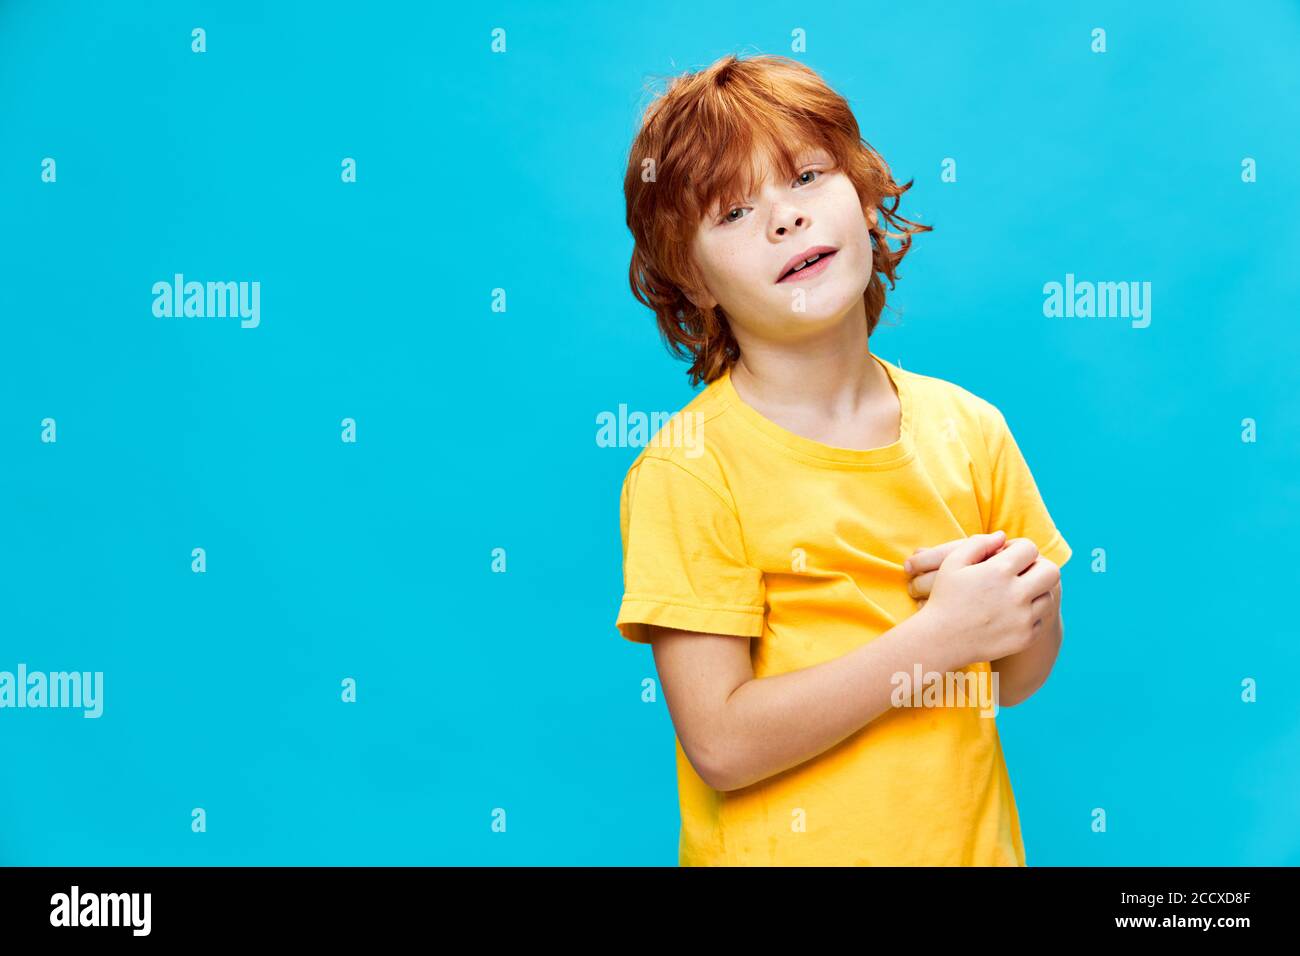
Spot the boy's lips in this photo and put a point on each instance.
(824, 253)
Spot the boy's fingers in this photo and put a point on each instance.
(920, 586)
(1018, 556)
(929, 559)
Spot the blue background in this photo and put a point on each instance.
(476, 429)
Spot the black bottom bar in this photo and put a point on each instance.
(236, 904)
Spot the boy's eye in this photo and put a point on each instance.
(727, 217)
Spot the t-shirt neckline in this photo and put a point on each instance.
(896, 453)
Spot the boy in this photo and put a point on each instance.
(848, 525)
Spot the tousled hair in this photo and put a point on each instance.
(694, 151)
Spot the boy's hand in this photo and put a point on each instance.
(923, 566)
(991, 598)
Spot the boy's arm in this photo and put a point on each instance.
(1020, 675)
(737, 729)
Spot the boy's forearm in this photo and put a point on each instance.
(1020, 675)
(778, 722)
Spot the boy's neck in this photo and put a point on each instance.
(832, 378)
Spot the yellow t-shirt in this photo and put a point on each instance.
(734, 525)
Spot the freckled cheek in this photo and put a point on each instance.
(736, 270)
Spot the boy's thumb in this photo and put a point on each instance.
(975, 548)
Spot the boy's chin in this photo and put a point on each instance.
(816, 305)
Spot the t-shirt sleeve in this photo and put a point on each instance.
(1014, 504)
(684, 561)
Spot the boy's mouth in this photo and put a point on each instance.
(808, 263)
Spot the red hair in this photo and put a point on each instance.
(694, 149)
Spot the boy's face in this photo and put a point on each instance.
(742, 252)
